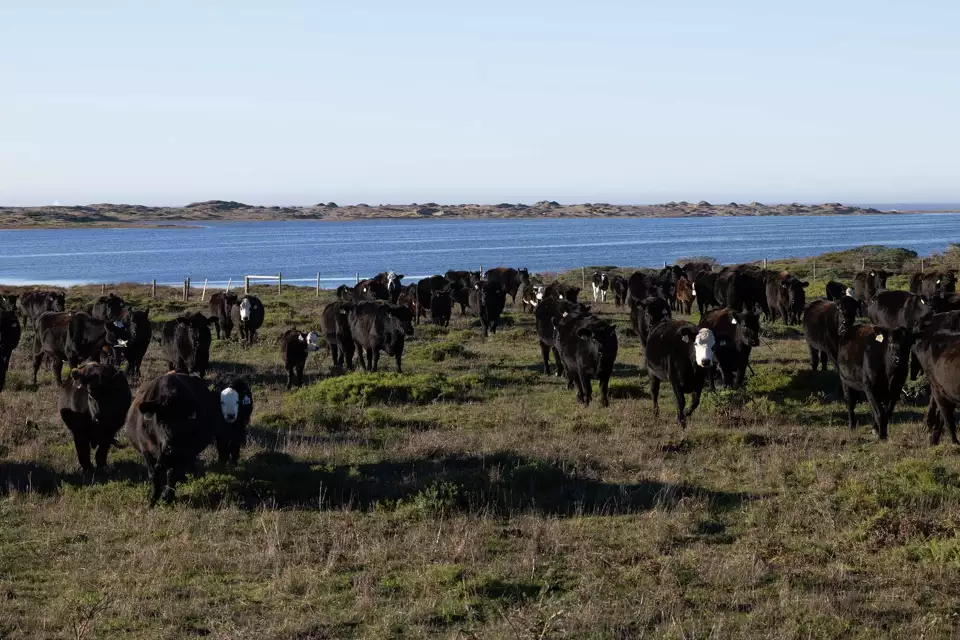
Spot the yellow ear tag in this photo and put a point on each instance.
(879, 337)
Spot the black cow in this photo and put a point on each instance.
(546, 316)
(371, 289)
(461, 296)
(866, 284)
(9, 339)
(647, 314)
(33, 304)
(932, 282)
(221, 305)
(601, 284)
(185, 343)
(641, 286)
(108, 308)
(487, 300)
(248, 315)
(681, 354)
(345, 293)
(947, 321)
(509, 279)
(825, 323)
(236, 408)
(441, 306)
(424, 291)
(10, 302)
(704, 286)
(379, 326)
(560, 291)
(73, 337)
(588, 349)
(294, 346)
(873, 361)
(693, 269)
(786, 298)
(390, 281)
(140, 329)
(667, 284)
(943, 302)
(939, 354)
(620, 289)
(743, 288)
(892, 309)
(836, 290)
(170, 422)
(736, 333)
(93, 404)
(335, 326)
(465, 279)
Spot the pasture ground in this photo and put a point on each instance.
(472, 497)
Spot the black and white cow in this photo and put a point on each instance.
(682, 354)
(294, 346)
(248, 315)
(601, 284)
(236, 408)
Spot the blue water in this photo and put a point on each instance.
(340, 250)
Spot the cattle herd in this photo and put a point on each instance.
(171, 419)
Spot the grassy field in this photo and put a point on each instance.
(472, 497)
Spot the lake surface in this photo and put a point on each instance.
(339, 250)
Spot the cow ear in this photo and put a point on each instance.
(804, 284)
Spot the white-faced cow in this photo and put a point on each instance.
(248, 315)
(601, 284)
(294, 347)
(681, 354)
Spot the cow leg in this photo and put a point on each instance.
(850, 395)
(578, 383)
(681, 403)
(58, 371)
(373, 355)
(398, 357)
(37, 361)
(934, 425)
(604, 380)
(362, 353)
(915, 368)
(814, 358)
(694, 401)
(102, 450)
(82, 444)
(300, 368)
(587, 385)
(879, 412)
(556, 358)
(947, 409)
(545, 354)
(289, 377)
(824, 356)
(159, 478)
(655, 394)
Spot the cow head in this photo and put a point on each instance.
(524, 275)
(702, 342)
(596, 338)
(403, 318)
(848, 308)
(138, 324)
(246, 309)
(748, 327)
(393, 283)
(230, 404)
(924, 311)
(655, 311)
(896, 344)
(311, 340)
(56, 302)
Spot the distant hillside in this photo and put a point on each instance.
(124, 214)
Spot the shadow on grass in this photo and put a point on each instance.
(35, 477)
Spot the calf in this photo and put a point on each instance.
(601, 284)
(933, 282)
(682, 354)
(546, 316)
(221, 311)
(487, 300)
(873, 361)
(588, 348)
(379, 326)
(294, 346)
(892, 309)
(647, 314)
(939, 354)
(236, 408)
(140, 329)
(170, 422)
(345, 293)
(825, 323)
(185, 343)
(73, 337)
(509, 279)
(109, 308)
(736, 334)
(786, 298)
(620, 289)
(93, 405)
(248, 315)
(530, 296)
(335, 326)
(685, 295)
(866, 284)
(835, 290)
(943, 302)
(9, 339)
(424, 292)
(441, 306)
(704, 291)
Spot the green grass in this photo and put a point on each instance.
(472, 497)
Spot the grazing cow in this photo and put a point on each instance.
(682, 354)
(892, 309)
(93, 404)
(140, 329)
(487, 300)
(685, 295)
(561, 291)
(943, 302)
(335, 325)
(546, 316)
(9, 339)
(736, 334)
(236, 408)
(109, 308)
(509, 279)
(786, 298)
(932, 282)
(185, 343)
(588, 349)
(248, 316)
(33, 304)
(73, 337)
(601, 284)
(371, 289)
(294, 346)
(647, 314)
(530, 296)
(836, 290)
(939, 355)
(345, 293)
(620, 290)
(379, 326)
(170, 422)
(704, 291)
(424, 292)
(221, 306)
(866, 284)
(873, 361)
(825, 323)
(441, 306)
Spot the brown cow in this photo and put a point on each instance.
(685, 295)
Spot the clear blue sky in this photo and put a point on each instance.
(382, 101)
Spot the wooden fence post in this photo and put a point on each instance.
(229, 282)
(358, 277)
(481, 271)
(186, 291)
(318, 284)
(203, 294)
(863, 264)
(246, 285)
(814, 270)
(153, 289)
(921, 265)
(583, 279)
(279, 282)
(764, 263)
